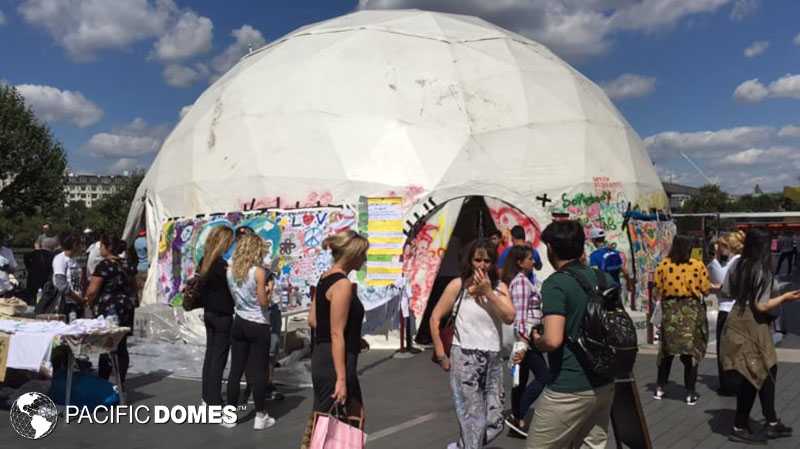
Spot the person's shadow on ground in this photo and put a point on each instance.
(721, 421)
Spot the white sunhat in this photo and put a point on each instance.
(597, 233)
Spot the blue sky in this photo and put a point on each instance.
(716, 80)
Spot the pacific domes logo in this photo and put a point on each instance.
(34, 416)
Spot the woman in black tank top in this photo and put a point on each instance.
(337, 314)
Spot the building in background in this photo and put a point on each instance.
(90, 188)
(679, 194)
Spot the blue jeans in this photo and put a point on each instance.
(524, 395)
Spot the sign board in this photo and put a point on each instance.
(386, 240)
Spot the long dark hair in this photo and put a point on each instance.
(753, 272)
(491, 252)
(516, 254)
(681, 251)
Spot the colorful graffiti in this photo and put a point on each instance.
(602, 208)
(423, 255)
(650, 243)
(506, 217)
(294, 239)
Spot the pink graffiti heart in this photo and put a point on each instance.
(308, 219)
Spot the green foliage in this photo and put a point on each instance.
(710, 199)
(30, 158)
(112, 211)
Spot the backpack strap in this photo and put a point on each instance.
(579, 278)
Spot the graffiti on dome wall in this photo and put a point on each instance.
(506, 217)
(294, 239)
(650, 243)
(423, 254)
(604, 207)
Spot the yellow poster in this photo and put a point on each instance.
(386, 240)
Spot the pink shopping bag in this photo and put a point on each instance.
(332, 433)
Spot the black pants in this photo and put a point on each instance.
(218, 345)
(746, 397)
(689, 372)
(788, 256)
(104, 367)
(250, 356)
(524, 395)
(727, 382)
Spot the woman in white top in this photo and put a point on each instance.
(481, 304)
(729, 247)
(250, 333)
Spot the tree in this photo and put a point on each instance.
(112, 211)
(32, 162)
(710, 199)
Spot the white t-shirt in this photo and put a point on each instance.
(717, 273)
(245, 298)
(69, 267)
(8, 254)
(476, 327)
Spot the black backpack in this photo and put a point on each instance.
(606, 343)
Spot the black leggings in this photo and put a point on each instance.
(746, 397)
(218, 344)
(104, 367)
(689, 371)
(250, 356)
(524, 395)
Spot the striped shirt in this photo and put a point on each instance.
(527, 303)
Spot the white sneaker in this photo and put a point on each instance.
(659, 394)
(453, 445)
(263, 421)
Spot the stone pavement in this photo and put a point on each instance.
(409, 406)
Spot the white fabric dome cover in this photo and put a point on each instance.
(411, 103)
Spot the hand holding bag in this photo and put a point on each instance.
(334, 430)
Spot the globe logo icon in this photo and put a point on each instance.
(33, 416)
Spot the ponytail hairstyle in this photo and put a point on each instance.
(511, 269)
(347, 248)
(219, 240)
(753, 272)
(250, 252)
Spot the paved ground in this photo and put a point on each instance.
(409, 406)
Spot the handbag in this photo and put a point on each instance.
(334, 430)
(191, 292)
(448, 332)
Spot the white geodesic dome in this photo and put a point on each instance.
(379, 102)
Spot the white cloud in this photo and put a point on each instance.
(751, 91)
(652, 15)
(177, 75)
(124, 165)
(745, 157)
(734, 156)
(790, 131)
(245, 38)
(797, 39)
(756, 48)
(788, 86)
(744, 8)
(84, 27)
(185, 110)
(629, 85)
(574, 29)
(130, 141)
(55, 105)
(190, 35)
(2, 18)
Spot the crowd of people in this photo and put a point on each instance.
(88, 275)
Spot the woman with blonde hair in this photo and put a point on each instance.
(250, 333)
(215, 297)
(729, 247)
(338, 314)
